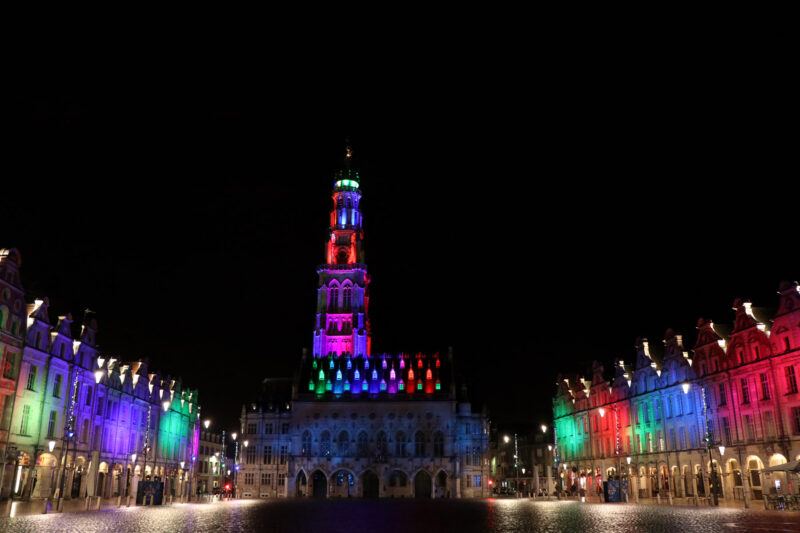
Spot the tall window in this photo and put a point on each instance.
(343, 443)
(438, 444)
(306, 449)
(796, 419)
(745, 391)
(419, 444)
(325, 444)
(362, 444)
(266, 479)
(57, 385)
(400, 444)
(380, 443)
(791, 381)
(268, 429)
(251, 455)
(347, 298)
(252, 429)
(723, 397)
(51, 425)
(284, 454)
(769, 425)
(85, 431)
(31, 385)
(88, 395)
(23, 426)
(750, 426)
(726, 430)
(333, 299)
(8, 365)
(764, 387)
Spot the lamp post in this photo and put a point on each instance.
(618, 450)
(235, 465)
(711, 472)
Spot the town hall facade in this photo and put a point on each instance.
(353, 423)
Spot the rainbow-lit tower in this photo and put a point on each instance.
(342, 325)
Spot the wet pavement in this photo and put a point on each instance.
(332, 516)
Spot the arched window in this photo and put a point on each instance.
(438, 444)
(380, 443)
(400, 444)
(343, 443)
(419, 444)
(347, 298)
(362, 444)
(325, 444)
(306, 449)
(333, 299)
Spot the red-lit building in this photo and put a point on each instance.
(735, 397)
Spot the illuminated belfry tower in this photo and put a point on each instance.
(342, 323)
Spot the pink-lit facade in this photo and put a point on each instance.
(737, 389)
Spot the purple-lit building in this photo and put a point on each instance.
(693, 423)
(353, 423)
(83, 423)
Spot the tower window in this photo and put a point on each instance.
(347, 297)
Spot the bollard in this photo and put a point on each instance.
(60, 505)
(44, 509)
(86, 503)
(97, 505)
(119, 501)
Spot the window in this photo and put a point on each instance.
(723, 397)
(8, 365)
(266, 479)
(85, 431)
(791, 381)
(57, 385)
(682, 435)
(252, 429)
(23, 426)
(750, 426)
(31, 385)
(284, 454)
(419, 444)
(343, 444)
(769, 425)
(673, 438)
(284, 428)
(745, 391)
(795, 419)
(250, 456)
(400, 444)
(438, 444)
(305, 451)
(347, 298)
(268, 453)
(51, 425)
(333, 301)
(325, 444)
(726, 430)
(678, 405)
(99, 406)
(88, 395)
(362, 444)
(764, 387)
(267, 429)
(281, 480)
(380, 443)
(248, 478)
(658, 409)
(786, 345)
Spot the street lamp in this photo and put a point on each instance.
(51, 445)
(544, 428)
(206, 423)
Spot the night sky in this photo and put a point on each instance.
(533, 231)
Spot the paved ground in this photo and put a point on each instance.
(407, 516)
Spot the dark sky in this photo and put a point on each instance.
(533, 227)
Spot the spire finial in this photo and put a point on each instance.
(348, 153)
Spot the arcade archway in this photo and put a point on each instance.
(422, 485)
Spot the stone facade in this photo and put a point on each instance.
(355, 424)
(735, 398)
(74, 410)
